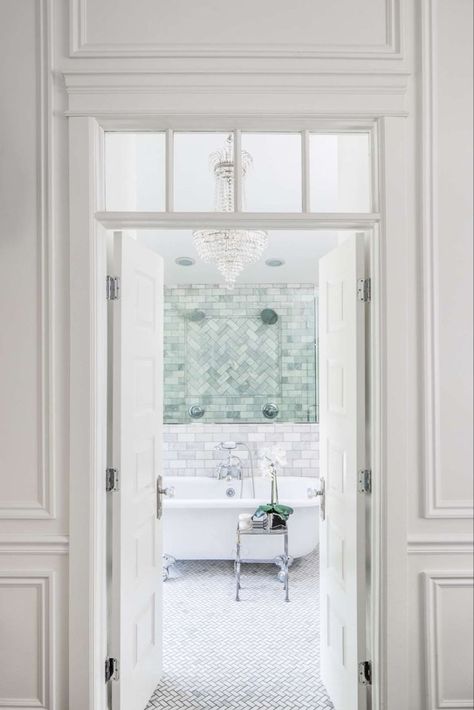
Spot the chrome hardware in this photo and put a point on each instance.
(111, 669)
(230, 492)
(365, 673)
(322, 493)
(196, 411)
(364, 290)
(160, 491)
(112, 480)
(112, 288)
(365, 481)
(270, 410)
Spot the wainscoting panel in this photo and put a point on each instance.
(145, 28)
(26, 626)
(26, 477)
(447, 250)
(449, 601)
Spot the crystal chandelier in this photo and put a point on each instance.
(229, 249)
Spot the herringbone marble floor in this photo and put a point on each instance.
(259, 654)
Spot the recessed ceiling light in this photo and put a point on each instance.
(274, 262)
(184, 261)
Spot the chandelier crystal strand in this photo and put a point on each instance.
(229, 249)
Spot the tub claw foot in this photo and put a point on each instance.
(168, 562)
(284, 563)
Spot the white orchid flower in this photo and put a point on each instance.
(270, 458)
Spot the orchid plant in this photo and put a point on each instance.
(271, 459)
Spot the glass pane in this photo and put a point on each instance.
(272, 182)
(135, 172)
(339, 172)
(201, 181)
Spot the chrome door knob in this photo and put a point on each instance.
(315, 493)
(160, 491)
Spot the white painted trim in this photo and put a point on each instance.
(87, 613)
(87, 570)
(433, 582)
(388, 446)
(435, 505)
(249, 220)
(44, 582)
(32, 544)
(81, 47)
(440, 545)
(44, 506)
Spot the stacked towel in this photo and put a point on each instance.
(260, 521)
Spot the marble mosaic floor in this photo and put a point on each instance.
(259, 654)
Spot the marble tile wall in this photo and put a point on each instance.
(189, 450)
(231, 363)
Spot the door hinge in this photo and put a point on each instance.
(365, 673)
(112, 288)
(365, 481)
(364, 290)
(112, 481)
(111, 669)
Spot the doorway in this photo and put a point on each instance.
(241, 383)
(87, 556)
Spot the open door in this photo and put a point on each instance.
(136, 597)
(342, 446)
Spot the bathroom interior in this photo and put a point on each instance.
(240, 394)
(240, 411)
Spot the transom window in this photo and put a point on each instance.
(250, 172)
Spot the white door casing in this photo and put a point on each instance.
(342, 451)
(137, 394)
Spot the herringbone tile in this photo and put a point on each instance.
(259, 654)
(226, 356)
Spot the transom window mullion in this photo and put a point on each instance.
(305, 172)
(169, 181)
(237, 171)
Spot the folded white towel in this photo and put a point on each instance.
(245, 525)
(245, 517)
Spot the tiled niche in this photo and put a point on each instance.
(221, 356)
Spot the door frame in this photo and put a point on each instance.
(89, 225)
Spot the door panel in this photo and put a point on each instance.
(342, 440)
(137, 436)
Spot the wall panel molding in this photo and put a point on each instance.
(43, 584)
(436, 505)
(81, 46)
(440, 545)
(44, 505)
(29, 544)
(435, 585)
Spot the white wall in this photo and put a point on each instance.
(378, 57)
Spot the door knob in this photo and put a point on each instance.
(160, 491)
(314, 493)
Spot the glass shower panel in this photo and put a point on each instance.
(272, 181)
(203, 172)
(340, 167)
(135, 172)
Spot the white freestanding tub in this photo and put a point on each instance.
(200, 521)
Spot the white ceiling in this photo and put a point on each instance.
(300, 249)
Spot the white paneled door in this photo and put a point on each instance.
(136, 623)
(342, 437)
